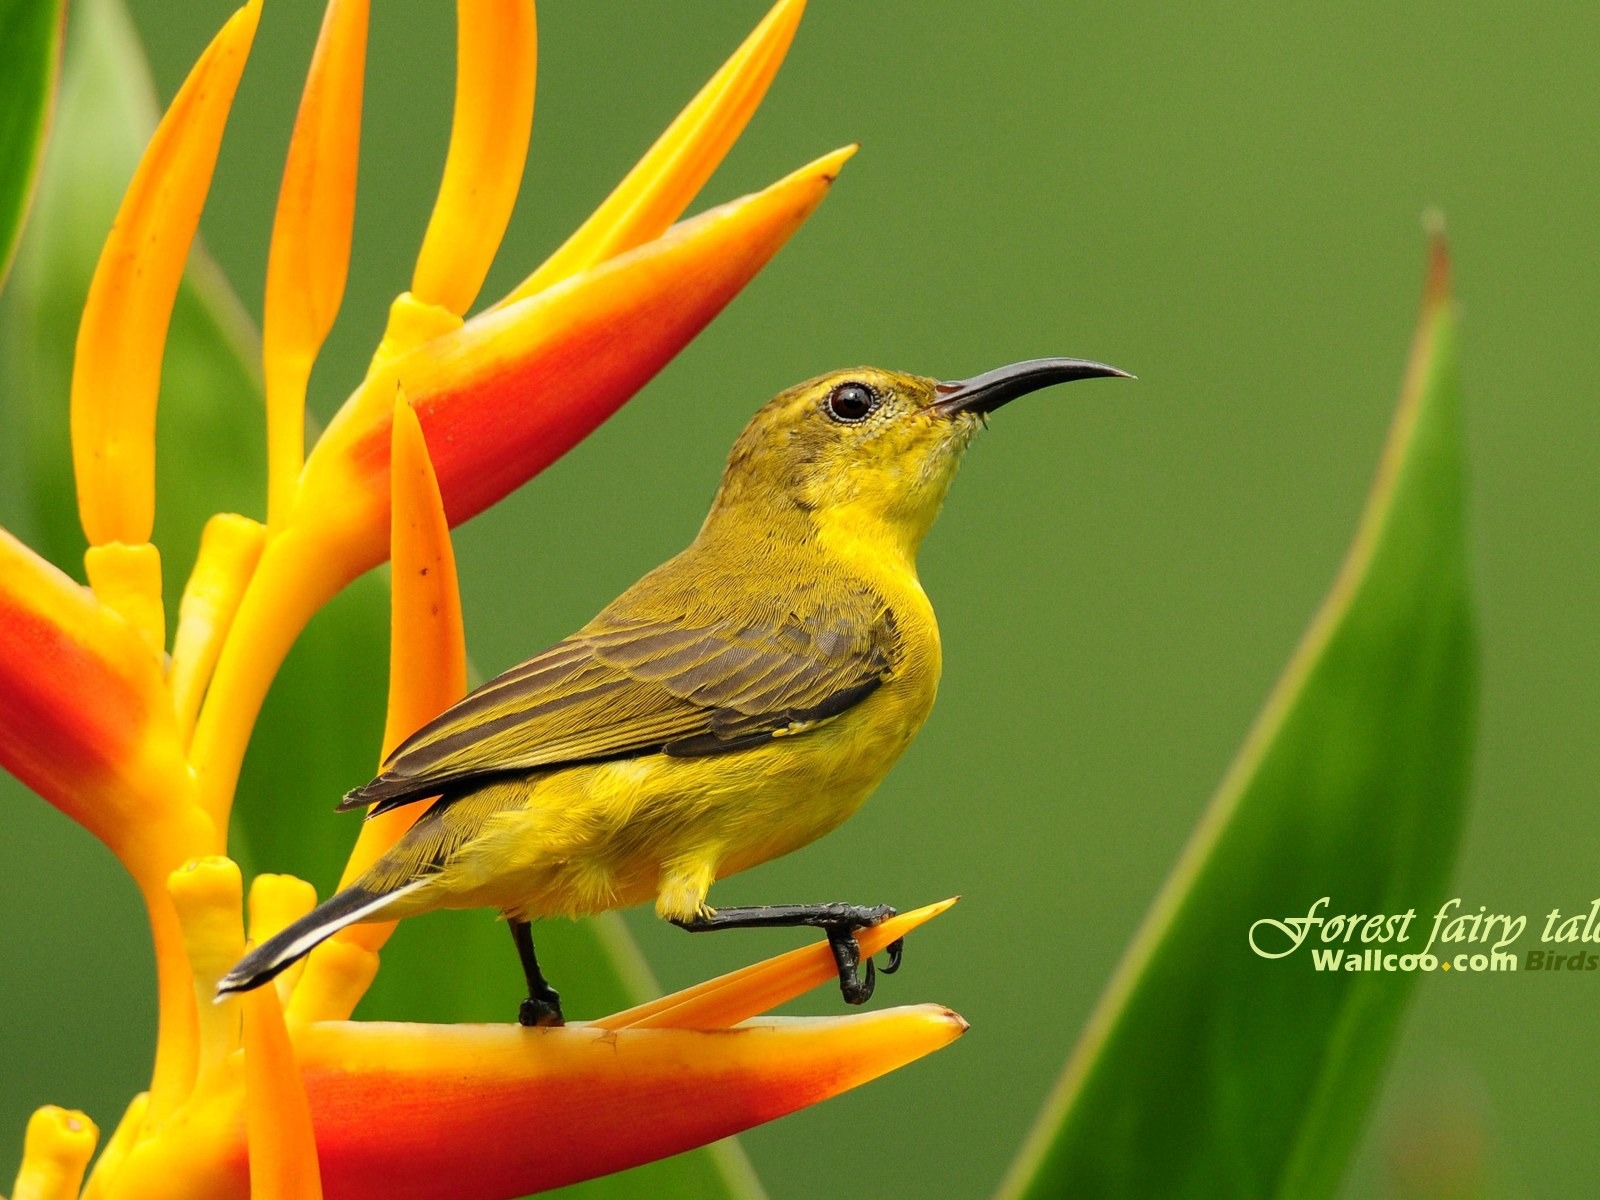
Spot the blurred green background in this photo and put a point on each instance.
(1226, 204)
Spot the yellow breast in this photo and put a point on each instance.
(589, 838)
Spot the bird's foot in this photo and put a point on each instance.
(856, 987)
(839, 921)
(543, 1010)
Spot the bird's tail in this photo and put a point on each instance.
(282, 950)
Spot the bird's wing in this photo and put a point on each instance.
(627, 686)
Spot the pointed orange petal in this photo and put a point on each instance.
(117, 371)
(428, 650)
(55, 1152)
(283, 1150)
(84, 715)
(657, 190)
(761, 987)
(414, 1112)
(310, 254)
(496, 50)
(513, 390)
(427, 673)
(427, 646)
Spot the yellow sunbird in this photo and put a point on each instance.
(738, 702)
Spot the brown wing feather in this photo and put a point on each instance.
(630, 684)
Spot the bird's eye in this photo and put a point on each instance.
(852, 402)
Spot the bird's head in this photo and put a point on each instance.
(875, 449)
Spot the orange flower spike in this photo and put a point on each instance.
(657, 190)
(117, 369)
(88, 723)
(310, 255)
(55, 1152)
(283, 1149)
(485, 1112)
(606, 1101)
(514, 389)
(496, 54)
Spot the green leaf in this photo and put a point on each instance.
(30, 31)
(1208, 1070)
(321, 726)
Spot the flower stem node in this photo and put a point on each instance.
(412, 323)
(127, 580)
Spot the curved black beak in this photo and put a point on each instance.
(987, 392)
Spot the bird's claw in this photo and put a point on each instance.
(541, 1011)
(857, 986)
(897, 950)
(847, 957)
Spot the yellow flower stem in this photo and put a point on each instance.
(292, 581)
(177, 1030)
(286, 375)
(496, 53)
(127, 580)
(208, 894)
(128, 1131)
(55, 1151)
(310, 254)
(230, 547)
(496, 56)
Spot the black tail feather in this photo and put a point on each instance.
(283, 950)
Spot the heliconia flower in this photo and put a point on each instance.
(277, 1095)
(671, 1075)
